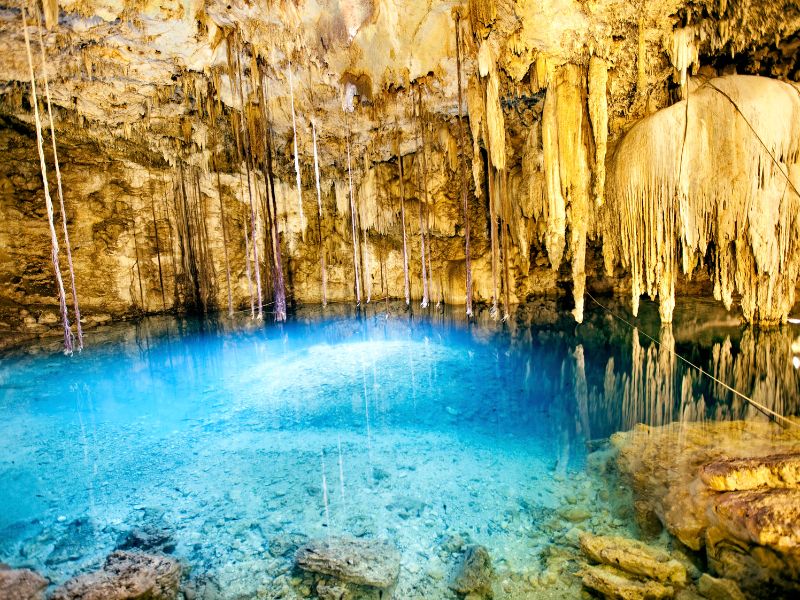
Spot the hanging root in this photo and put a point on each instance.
(54, 252)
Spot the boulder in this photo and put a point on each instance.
(750, 473)
(126, 576)
(474, 574)
(634, 557)
(616, 584)
(21, 584)
(371, 563)
(729, 488)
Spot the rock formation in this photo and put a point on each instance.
(351, 563)
(721, 489)
(126, 576)
(203, 153)
(21, 584)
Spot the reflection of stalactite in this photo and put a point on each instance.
(657, 387)
(581, 392)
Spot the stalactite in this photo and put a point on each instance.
(556, 204)
(367, 268)
(323, 270)
(247, 256)
(734, 144)
(50, 8)
(461, 175)
(495, 121)
(48, 202)
(598, 113)
(641, 59)
(683, 53)
(296, 155)
(476, 109)
(423, 198)
(67, 245)
(206, 267)
(353, 222)
(401, 177)
(171, 250)
(575, 172)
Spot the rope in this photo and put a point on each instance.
(758, 137)
(767, 411)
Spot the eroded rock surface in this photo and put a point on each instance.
(21, 584)
(634, 557)
(126, 576)
(474, 574)
(372, 563)
(781, 470)
(727, 489)
(615, 583)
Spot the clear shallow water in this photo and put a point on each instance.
(424, 430)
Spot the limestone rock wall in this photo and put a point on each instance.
(169, 116)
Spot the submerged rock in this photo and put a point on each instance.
(776, 471)
(372, 563)
(148, 538)
(21, 584)
(79, 539)
(126, 576)
(727, 488)
(634, 557)
(474, 574)
(764, 517)
(719, 589)
(616, 584)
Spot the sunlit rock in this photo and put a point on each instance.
(782, 470)
(618, 585)
(634, 557)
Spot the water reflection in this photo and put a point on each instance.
(378, 422)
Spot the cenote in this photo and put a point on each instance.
(399, 300)
(231, 444)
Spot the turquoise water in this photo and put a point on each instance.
(229, 443)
